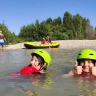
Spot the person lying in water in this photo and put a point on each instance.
(39, 63)
(85, 64)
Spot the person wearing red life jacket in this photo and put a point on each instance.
(39, 63)
(43, 41)
(85, 64)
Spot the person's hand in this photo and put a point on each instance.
(78, 68)
(94, 70)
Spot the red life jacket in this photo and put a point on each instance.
(28, 70)
(86, 74)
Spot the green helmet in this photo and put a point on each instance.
(44, 54)
(87, 54)
(0, 31)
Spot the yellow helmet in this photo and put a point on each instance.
(0, 31)
(87, 54)
(44, 54)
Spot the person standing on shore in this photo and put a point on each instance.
(2, 41)
(85, 65)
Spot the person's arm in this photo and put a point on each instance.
(4, 38)
(77, 70)
(71, 73)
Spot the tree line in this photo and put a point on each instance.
(70, 27)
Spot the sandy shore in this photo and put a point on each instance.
(63, 44)
(77, 43)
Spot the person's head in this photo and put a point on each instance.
(86, 58)
(43, 38)
(41, 59)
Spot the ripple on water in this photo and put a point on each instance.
(51, 84)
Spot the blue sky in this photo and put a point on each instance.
(16, 13)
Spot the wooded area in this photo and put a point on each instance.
(67, 28)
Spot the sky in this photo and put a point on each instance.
(16, 13)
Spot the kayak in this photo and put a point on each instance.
(36, 45)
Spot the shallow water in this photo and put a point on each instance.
(50, 84)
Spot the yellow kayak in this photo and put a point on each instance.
(36, 45)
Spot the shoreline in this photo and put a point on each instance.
(63, 44)
(67, 44)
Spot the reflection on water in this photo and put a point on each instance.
(49, 84)
(86, 86)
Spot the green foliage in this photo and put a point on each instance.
(70, 27)
(67, 27)
(95, 29)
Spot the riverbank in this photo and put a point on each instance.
(63, 44)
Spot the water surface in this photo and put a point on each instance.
(50, 84)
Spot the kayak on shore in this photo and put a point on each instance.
(36, 45)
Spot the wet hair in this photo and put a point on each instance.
(41, 61)
(80, 60)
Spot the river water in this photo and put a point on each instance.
(50, 84)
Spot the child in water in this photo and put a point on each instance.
(40, 61)
(85, 64)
